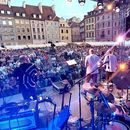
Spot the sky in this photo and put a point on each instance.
(62, 7)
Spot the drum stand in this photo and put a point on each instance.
(91, 103)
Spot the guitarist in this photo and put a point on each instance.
(26, 75)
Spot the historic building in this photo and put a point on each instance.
(74, 23)
(82, 30)
(65, 31)
(28, 24)
(89, 21)
(22, 26)
(51, 24)
(107, 25)
(7, 26)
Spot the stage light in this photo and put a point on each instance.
(123, 66)
(120, 39)
(81, 2)
(109, 6)
(100, 4)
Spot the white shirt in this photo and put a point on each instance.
(111, 63)
(91, 63)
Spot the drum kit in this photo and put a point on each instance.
(110, 114)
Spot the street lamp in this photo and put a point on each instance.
(100, 4)
(81, 2)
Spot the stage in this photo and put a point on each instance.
(46, 109)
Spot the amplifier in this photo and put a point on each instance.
(22, 118)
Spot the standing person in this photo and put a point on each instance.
(91, 67)
(26, 75)
(110, 61)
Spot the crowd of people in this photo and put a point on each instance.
(51, 63)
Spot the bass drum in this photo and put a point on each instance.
(117, 125)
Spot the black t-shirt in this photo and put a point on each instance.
(26, 75)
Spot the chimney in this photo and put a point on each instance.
(40, 7)
(8, 3)
(24, 4)
(53, 8)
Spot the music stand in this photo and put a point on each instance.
(71, 62)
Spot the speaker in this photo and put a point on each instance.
(24, 119)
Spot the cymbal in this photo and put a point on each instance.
(104, 109)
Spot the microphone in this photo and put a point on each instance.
(104, 99)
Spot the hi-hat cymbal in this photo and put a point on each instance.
(104, 109)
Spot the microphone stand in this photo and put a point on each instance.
(92, 107)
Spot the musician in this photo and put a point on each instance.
(26, 74)
(91, 61)
(111, 64)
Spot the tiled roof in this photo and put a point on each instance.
(6, 8)
(31, 9)
(49, 14)
(19, 10)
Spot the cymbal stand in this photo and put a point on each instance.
(91, 103)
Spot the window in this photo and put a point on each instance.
(17, 14)
(23, 30)
(115, 24)
(103, 24)
(29, 37)
(66, 31)
(34, 36)
(34, 30)
(40, 16)
(92, 26)
(23, 14)
(42, 29)
(38, 30)
(24, 37)
(10, 23)
(61, 30)
(2, 11)
(18, 29)
(4, 23)
(8, 12)
(62, 37)
(19, 37)
(108, 32)
(66, 38)
(89, 27)
(42, 36)
(89, 20)
(39, 37)
(34, 15)
(92, 34)
(108, 24)
(92, 20)
(17, 21)
(28, 30)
